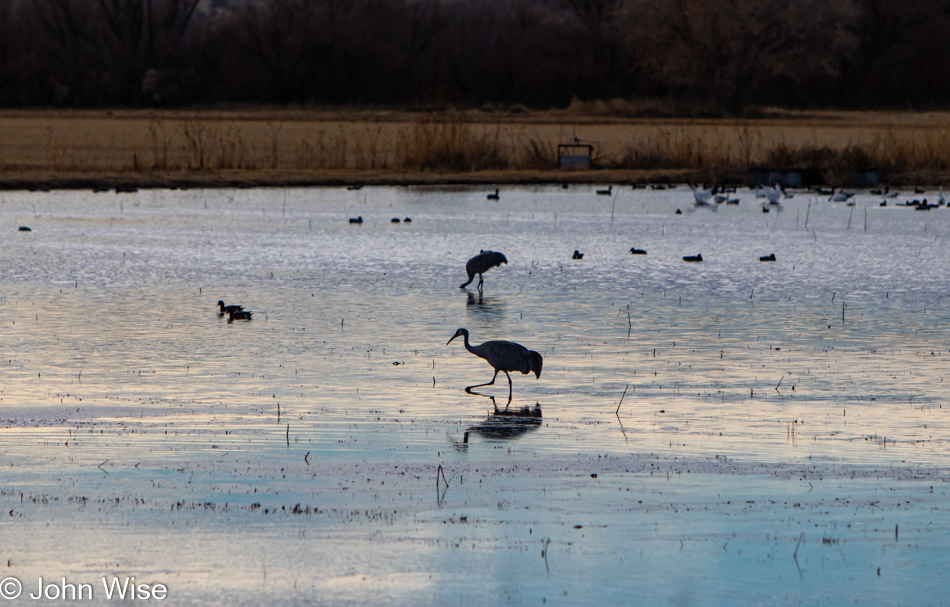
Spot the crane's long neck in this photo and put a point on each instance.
(476, 350)
(468, 346)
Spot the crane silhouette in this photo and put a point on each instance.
(503, 356)
(482, 262)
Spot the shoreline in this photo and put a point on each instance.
(281, 179)
(120, 183)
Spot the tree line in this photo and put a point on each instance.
(711, 57)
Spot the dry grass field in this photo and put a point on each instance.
(283, 147)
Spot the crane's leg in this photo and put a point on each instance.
(509, 387)
(480, 282)
(469, 389)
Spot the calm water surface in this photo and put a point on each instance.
(118, 381)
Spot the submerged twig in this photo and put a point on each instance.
(621, 397)
(801, 538)
(437, 473)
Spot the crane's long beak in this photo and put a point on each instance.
(453, 337)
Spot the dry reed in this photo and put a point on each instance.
(456, 143)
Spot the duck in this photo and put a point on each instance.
(636, 251)
(25, 229)
(494, 196)
(577, 255)
(239, 315)
(356, 219)
(696, 257)
(394, 220)
(407, 220)
(767, 257)
(678, 212)
(223, 309)
(605, 192)
(840, 196)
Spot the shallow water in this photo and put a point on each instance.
(120, 382)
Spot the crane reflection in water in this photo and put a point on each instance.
(502, 424)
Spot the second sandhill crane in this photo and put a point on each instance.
(482, 262)
(503, 356)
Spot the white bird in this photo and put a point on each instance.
(503, 356)
(774, 194)
(703, 197)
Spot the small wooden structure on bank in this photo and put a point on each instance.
(574, 154)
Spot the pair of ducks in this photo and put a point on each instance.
(233, 312)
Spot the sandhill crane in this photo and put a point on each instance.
(482, 262)
(223, 309)
(503, 356)
(494, 196)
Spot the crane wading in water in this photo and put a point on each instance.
(503, 356)
(482, 262)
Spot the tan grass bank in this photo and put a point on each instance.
(288, 147)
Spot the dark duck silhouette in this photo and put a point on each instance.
(223, 309)
(239, 315)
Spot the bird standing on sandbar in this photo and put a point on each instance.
(482, 262)
(503, 356)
